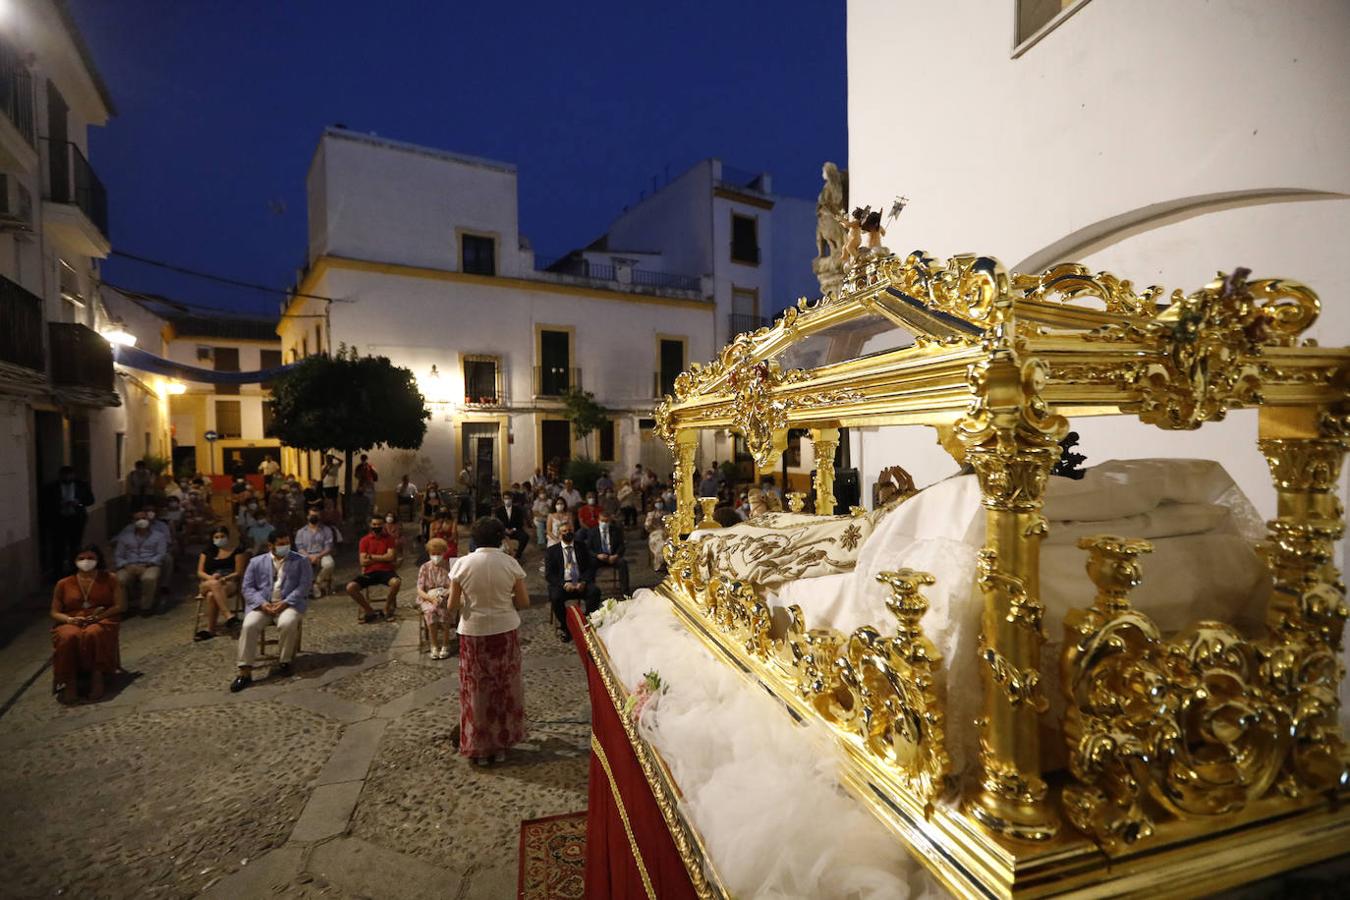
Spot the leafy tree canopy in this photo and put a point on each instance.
(580, 408)
(349, 403)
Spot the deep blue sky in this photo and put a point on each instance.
(220, 105)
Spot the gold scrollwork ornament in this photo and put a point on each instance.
(1185, 723)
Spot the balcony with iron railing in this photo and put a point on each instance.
(73, 185)
(20, 326)
(81, 358)
(555, 381)
(484, 397)
(742, 322)
(612, 277)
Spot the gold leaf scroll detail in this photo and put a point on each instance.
(1022, 687)
(1188, 723)
(1206, 343)
(880, 691)
(1023, 609)
(758, 414)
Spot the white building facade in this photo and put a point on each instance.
(60, 402)
(236, 417)
(1160, 141)
(752, 248)
(420, 255)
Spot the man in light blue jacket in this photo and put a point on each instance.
(276, 591)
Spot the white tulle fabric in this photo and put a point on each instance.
(760, 789)
(1203, 566)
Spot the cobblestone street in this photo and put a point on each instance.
(341, 781)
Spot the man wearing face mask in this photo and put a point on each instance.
(138, 554)
(276, 591)
(569, 569)
(588, 514)
(377, 553)
(605, 541)
(170, 541)
(247, 515)
(315, 542)
(512, 514)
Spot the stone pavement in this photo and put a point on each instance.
(343, 780)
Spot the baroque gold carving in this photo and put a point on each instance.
(1022, 687)
(1196, 725)
(880, 691)
(1206, 344)
(1023, 609)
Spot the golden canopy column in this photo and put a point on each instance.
(825, 441)
(1304, 449)
(1011, 440)
(686, 446)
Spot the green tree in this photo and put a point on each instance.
(580, 408)
(348, 403)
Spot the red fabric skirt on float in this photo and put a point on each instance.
(629, 850)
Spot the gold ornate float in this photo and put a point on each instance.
(1195, 760)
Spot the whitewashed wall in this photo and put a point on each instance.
(1158, 140)
(419, 322)
(377, 199)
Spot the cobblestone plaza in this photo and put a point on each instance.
(343, 780)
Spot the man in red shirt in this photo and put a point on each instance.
(378, 550)
(588, 514)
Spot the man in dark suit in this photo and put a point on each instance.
(64, 511)
(605, 541)
(511, 513)
(569, 569)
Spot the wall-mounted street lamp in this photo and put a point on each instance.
(117, 334)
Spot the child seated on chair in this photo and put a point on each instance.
(433, 591)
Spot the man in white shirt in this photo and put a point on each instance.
(570, 494)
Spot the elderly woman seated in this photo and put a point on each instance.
(87, 608)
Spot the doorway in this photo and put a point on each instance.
(555, 442)
(481, 458)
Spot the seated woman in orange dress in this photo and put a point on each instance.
(87, 608)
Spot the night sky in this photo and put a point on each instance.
(220, 106)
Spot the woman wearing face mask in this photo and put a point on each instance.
(556, 520)
(433, 594)
(539, 512)
(87, 608)
(219, 568)
(432, 505)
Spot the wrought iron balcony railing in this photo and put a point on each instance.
(554, 381)
(72, 180)
(740, 322)
(80, 357)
